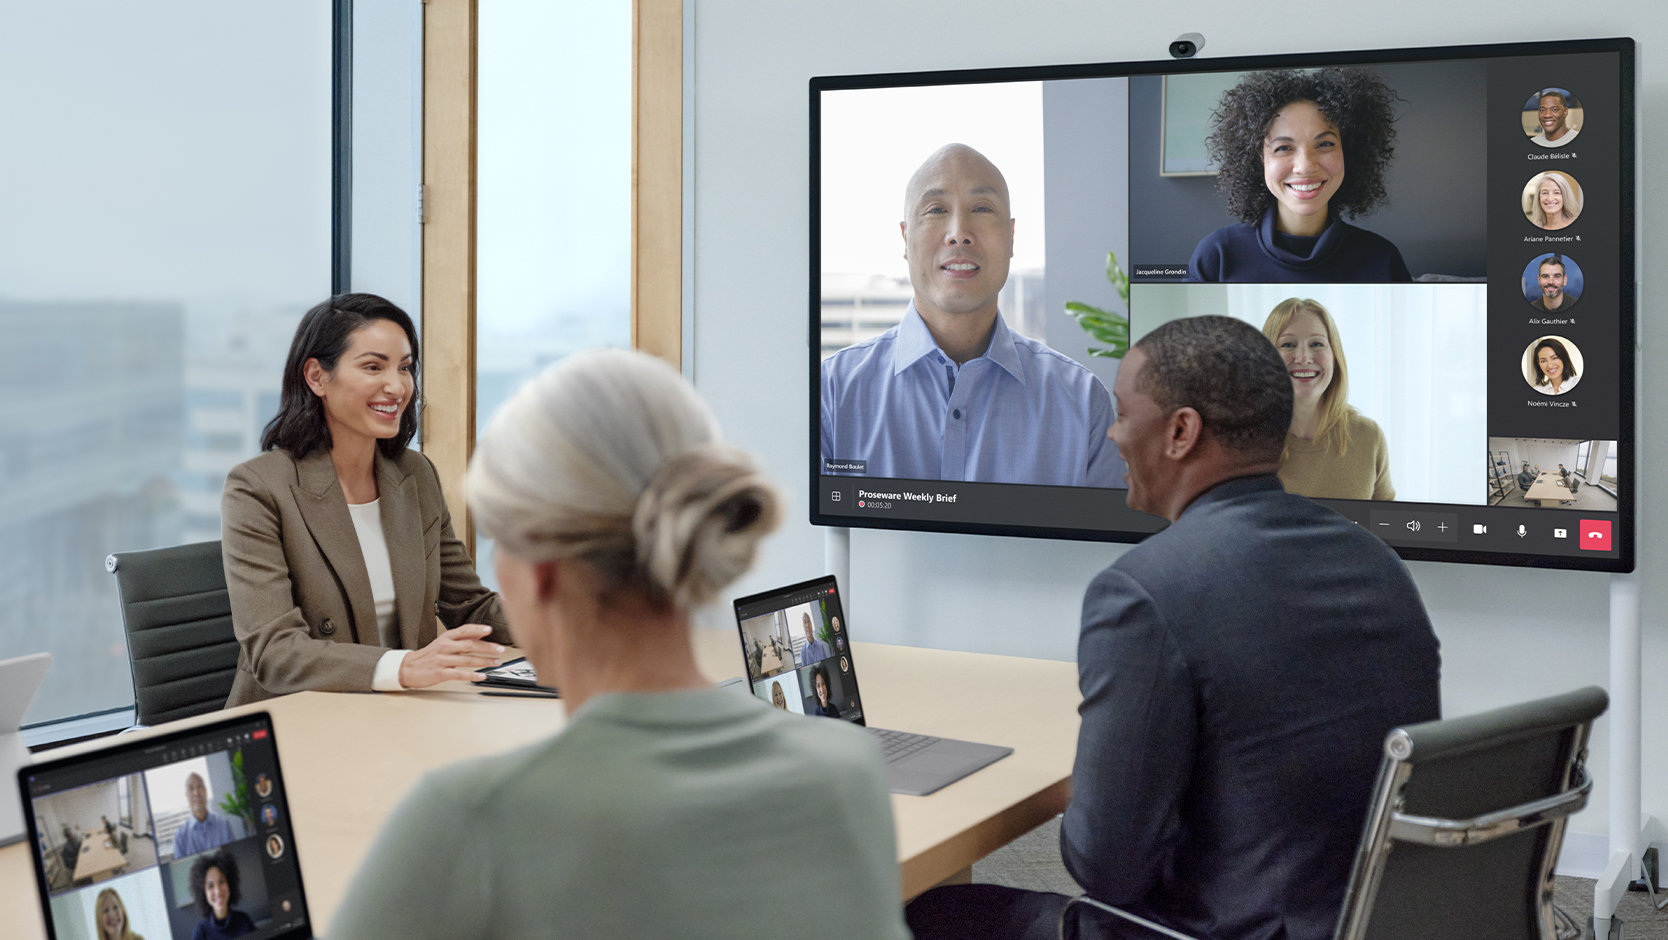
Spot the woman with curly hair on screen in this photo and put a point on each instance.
(1298, 153)
(214, 888)
(1332, 450)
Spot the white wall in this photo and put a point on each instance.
(1506, 634)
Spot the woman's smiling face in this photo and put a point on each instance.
(110, 913)
(1551, 366)
(1552, 199)
(1307, 350)
(1303, 166)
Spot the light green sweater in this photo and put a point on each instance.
(690, 814)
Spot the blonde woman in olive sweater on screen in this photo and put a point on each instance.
(1332, 451)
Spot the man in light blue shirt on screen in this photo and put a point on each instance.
(814, 650)
(202, 830)
(951, 393)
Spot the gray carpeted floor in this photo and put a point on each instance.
(1033, 862)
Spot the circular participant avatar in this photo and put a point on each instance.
(269, 815)
(1552, 117)
(845, 665)
(1552, 200)
(1552, 365)
(1552, 282)
(274, 845)
(263, 786)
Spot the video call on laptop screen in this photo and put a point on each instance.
(798, 656)
(161, 832)
(1482, 304)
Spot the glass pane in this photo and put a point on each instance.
(168, 224)
(553, 197)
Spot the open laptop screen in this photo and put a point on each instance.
(798, 654)
(165, 832)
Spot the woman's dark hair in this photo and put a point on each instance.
(324, 334)
(1557, 350)
(1354, 99)
(199, 873)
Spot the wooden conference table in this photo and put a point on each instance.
(99, 855)
(374, 747)
(1547, 488)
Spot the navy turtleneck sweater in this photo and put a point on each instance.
(1258, 253)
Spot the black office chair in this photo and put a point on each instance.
(1475, 809)
(179, 629)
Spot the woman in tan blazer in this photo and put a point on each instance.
(339, 553)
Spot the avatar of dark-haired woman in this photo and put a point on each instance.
(1554, 368)
(214, 887)
(819, 683)
(1298, 153)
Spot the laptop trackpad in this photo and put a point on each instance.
(943, 763)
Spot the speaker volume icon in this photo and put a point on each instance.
(1413, 525)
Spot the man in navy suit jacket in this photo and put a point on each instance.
(1239, 671)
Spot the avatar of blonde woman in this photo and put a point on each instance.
(110, 917)
(1553, 202)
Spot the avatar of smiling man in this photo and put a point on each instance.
(1551, 281)
(951, 392)
(1553, 118)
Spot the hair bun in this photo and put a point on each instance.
(698, 522)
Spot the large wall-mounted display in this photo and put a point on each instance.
(1439, 241)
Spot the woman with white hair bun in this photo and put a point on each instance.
(657, 812)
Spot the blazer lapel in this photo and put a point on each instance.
(402, 528)
(319, 498)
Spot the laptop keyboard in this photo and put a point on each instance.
(896, 745)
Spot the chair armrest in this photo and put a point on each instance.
(1085, 900)
(1453, 833)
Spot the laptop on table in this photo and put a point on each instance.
(123, 820)
(816, 675)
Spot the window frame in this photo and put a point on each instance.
(450, 87)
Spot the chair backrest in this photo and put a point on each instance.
(1466, 823)
(178, 619)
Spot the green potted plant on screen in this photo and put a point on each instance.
(1106, 326)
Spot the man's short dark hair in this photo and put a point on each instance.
(1549, 93)
(1553, 258)
(1227, 371)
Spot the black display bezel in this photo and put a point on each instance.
(1133, 527)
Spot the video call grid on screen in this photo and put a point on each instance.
(771, 626)
(1112, 158)
(140, 788)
